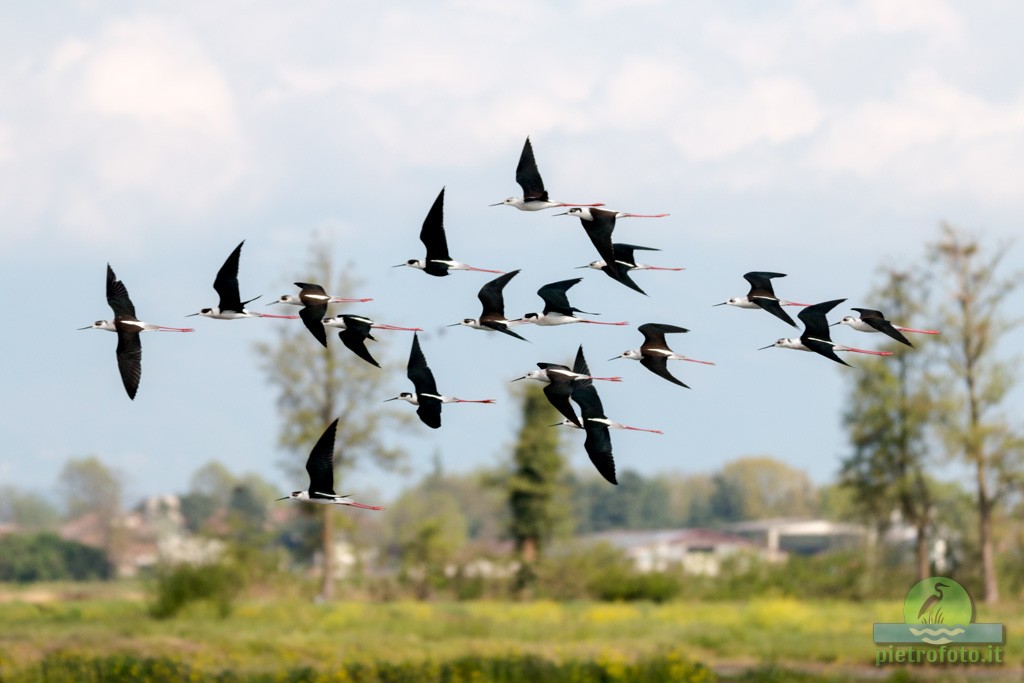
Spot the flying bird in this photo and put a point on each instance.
(231, 306)
(128, 329)
(762, 295)
(355, 330)
(557, 310)
(598, 443)
(314, 300)
(625, 262)
(535, 197)
(599, 225)
(426, 399)
(558, 382)
(437, 262)
(492, 317)
(654, 353)
(320, 466)
(816, 337)
(872, 321)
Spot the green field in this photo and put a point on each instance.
(50, 633)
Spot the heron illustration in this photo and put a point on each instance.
(931, 604)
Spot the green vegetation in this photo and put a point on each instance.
(47, 557)
(754, 640)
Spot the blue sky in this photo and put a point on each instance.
(818, 139)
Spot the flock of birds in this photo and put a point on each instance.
(563, 386)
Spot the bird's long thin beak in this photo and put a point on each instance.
(766, 347)
(273, 302)
(615, 358)
(519, 378)
(834, 324)
(721, 304)
(400, 265)
(390, 399)
(498, 204)
(87, 327)
(579, 267)
(285, 498)
(454, 325)
(191, 314)
(564, 213)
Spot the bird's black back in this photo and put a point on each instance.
(433, 237)
(528, 177)
(760, 283)
(117, 296)
(877, 321)
(320, 464)
(624, 253)
(815, 322)
(599, 230)
(226, 282)
(584, 393)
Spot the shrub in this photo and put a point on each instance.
(48, 557)
(180, 585)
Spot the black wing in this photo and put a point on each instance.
(558, 392)
(226, 282)
(320, 464)
(129, 361)
(815, 322)
(499, 326)
(622, 275)
(354, 338)
(659, 366)
(491, 297)
(771, 305)
(555, 299)
(419, 372)
(598, 445)
(528, 176)
(823, 348)
(624, 252)
(599, 230)
(583, 391)
(876, 320)
(760, 282)
(432, 234)
(429, 411)
(117, 296)
(313, 316)
(654, 334)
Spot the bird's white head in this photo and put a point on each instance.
(336, 321)
(467, 322)
(632, 354)
(413, 263)
(849, 320)
(734, 301)
(596, 265)
(206, 312)
(784, 343)
(405, 396)
(297, 495)
(581, 212)
(529, 318)
(287, 299)
(539, 375)
(511, 201)
(107, 325)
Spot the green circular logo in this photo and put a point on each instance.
(938, 600)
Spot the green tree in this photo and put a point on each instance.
(761, 488)
(87, 486)
(891, 408)
(974, 322)
(316, 385)
(537, 499)
(27, 511)
(637, 503)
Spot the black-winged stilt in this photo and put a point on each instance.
(355, 330)
(492, 317)
(871, 320)
(320, 466)
(426, 399)
(599, 224)
(654, 353)
(535, 197)
(816, 337)
(437, 262)
(625, 262)
(557, 310)
(598, 443)
(314, 300)
(761, 295)
(128, 328)
(558, 382)
(231, 306)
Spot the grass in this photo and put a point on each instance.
(752, 640)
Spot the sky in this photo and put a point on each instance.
(819, 139)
